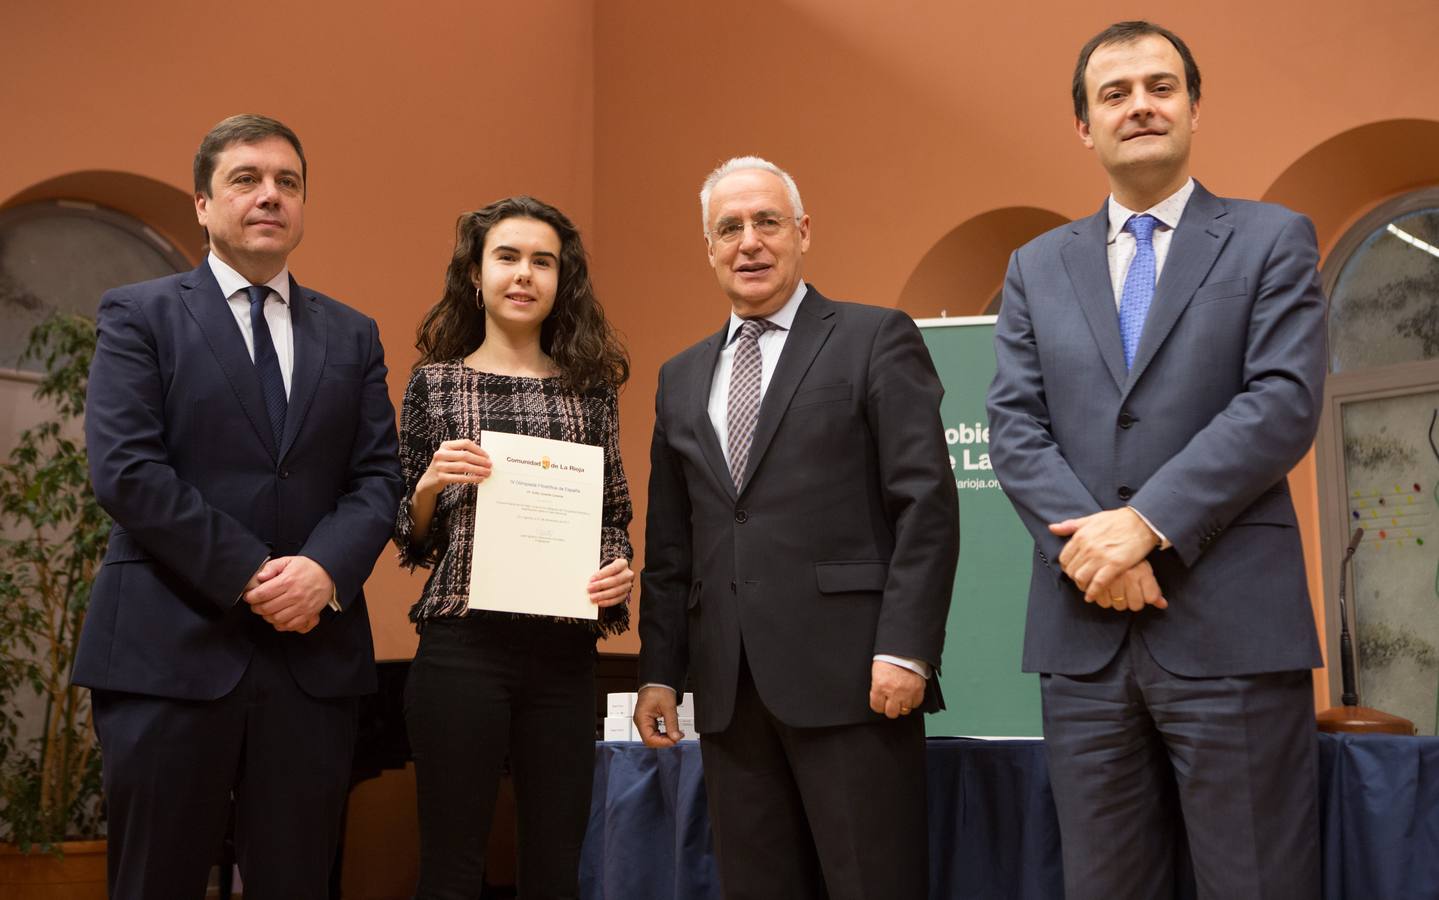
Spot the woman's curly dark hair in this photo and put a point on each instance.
(575, 335)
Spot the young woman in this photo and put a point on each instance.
(518, 343)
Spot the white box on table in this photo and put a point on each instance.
(621, 705)
(619, 728)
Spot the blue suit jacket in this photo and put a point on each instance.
(183, 458)
(1222, 400)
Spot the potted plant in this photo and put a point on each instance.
(52, 540)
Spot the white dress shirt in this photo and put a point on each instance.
(277, 312)
(1122, 244)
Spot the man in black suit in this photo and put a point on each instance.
(241, 435)
(801, 543)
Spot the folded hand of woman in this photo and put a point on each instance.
(611, 585)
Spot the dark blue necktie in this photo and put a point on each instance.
(267, 363)
(1138, 285)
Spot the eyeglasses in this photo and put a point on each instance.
(765, 226)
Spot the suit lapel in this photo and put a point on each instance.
(200, 293)
(307, 323)
(813, 322)
(700, 401)
(1086, 259)
(1196, 244)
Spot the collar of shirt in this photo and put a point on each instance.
(1167, 211)
(232, 281)
(783, 317)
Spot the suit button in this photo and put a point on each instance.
(741, 516)
(1126, 420)
(284, 473)
(732, 588)
(1125, 492)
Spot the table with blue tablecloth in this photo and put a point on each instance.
(993, 832)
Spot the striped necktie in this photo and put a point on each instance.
(744, 395)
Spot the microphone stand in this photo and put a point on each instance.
(1350, 716)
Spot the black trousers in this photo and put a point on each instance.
(483, 688)
(171, 768)
(804, 813)
(1147, 765)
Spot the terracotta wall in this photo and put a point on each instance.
(921, 133)
(410, 114)
(927, 137)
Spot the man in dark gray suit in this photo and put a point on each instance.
(1160, 370)
(800, 552)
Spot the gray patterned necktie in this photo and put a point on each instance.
(744, 397)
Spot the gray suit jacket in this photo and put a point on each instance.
(1223, 399)
(842, 543)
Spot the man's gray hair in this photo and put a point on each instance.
(738, 164)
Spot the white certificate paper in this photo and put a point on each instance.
(537, 526)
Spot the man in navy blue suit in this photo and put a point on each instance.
(241, 435)
(1160, 366)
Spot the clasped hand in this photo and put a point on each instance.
(290, 592)
(1106, 557)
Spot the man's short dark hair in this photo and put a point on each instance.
(1124, 33)
(243, 129)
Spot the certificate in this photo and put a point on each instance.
(537, 526)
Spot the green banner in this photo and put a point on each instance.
(983, 687)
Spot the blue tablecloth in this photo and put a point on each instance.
(993, 832)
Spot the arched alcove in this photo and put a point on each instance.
(69, 238)
(1344, 177)
(160, 206)
(1338, 184)
(961, 273)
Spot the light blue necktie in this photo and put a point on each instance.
(267, 363)
(1138, 285)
